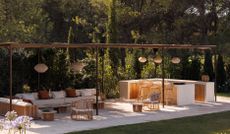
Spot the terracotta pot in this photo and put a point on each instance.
(205, 78)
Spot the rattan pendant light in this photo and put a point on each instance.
(175, 60)
(40, 67)
(157, 59)
(77, 66)
(142, 58)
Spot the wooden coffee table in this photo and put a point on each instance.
(137, 107)
(62, 108)
(100, 105)
(48, 115)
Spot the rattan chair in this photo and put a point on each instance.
(82, 109)
(153, 102)
(147, 87)
(144, 87)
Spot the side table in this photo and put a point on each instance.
(137, 107)
(100, 105)
(62, 108)
(48, 115)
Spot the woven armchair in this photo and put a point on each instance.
(146, 88)
(153, 102)
(82, 109)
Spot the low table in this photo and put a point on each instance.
(137, 107)
(100, 105)
(60, 108)
(48, 115)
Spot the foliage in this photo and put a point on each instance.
(129, 73)
(26, 88)
(59, 71)
(111, 21)
(148, 70)
(208, 66)
(110, 81)
(195, 69)
(23, 21)
(4, 72)
(220, 74)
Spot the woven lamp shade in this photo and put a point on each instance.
(77, 66)
(142, 59)
(175, 60)
(41, 68)
(157, 59)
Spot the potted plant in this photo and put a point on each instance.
(205, 77)
(26, 88)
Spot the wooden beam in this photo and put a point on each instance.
(104, 45)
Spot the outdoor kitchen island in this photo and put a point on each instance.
(177, 92)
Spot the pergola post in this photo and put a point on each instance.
(163, 79)
(97, 80)
(10, 73)
(102, 74)
(215, 66)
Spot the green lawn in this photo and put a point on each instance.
(218, 123)
(223, 94)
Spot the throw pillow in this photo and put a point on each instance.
(70, 93)
(58, 94)
(35, 95)
(43, 94)
(86, 92)
(78, 92)
(28, 96)
(27, 100)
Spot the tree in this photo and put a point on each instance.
(195, 69)
(208, 66)
(23, 21)
(111, 37)
(220, 74)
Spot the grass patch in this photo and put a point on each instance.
(223, 94)
(217, 123)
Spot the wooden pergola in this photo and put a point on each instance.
(12, 45)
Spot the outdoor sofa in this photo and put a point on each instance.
(57, 97)
(18, 105)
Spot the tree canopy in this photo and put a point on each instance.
(114, 21)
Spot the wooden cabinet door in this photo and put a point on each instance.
(133, 90)
(199, 92)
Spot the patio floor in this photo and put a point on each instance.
(120, 113)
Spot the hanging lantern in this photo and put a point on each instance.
(175, 60)
(41, 68)
(157, 59)
(142, 59)
(78, 66)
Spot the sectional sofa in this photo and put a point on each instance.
(57, 97)
(18, 105)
